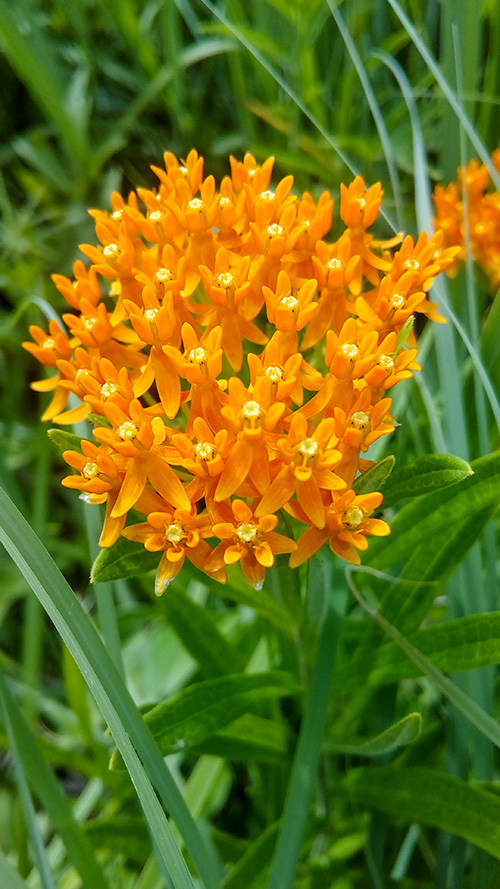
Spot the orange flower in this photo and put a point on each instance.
(347, 524)
(179, 534)
(249, 540)
(203, 283)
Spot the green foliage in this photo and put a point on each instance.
(310, 741)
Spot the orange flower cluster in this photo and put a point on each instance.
(235, 364)
(472, 191)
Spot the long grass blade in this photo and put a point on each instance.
(129, 731)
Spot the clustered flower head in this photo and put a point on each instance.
(472, 198)
(235, 364)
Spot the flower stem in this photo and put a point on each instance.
(305, 765)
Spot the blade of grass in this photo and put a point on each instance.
(142, 758)
(32, 823)
(465, 704)
(307, 753)
(374, 108)
(35, 60)
(41, 779)
(329, 139)
(451, 97)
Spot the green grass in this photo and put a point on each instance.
(401, 93)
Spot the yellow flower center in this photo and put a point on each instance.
(225, 280)
(274, 230)
(90, 470)
(117, 214)
(224, 202)
(274, 373)
(412, 264)
(163, 275)
(360, 420)
(81, 374)
(266, 196)
(127, 431)
(397, 301)
(174, 533)
(150, 314)
(307, 452)
(252, 414)
(108, 389)
(248, 533)
(290, 302)
(334, 264)
(204, 451)
(49, 343)
(156, 215)
(196, 204)
(350, 350)
(386, 362)
(90, 323)
(352, 518)
(111, 251)
(197, 356)
(361, 202)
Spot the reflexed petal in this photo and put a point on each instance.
(278, 493)
(132, 487)
(166, 573)
(309, 497)
(310, 542)
(235, 471)
(166, 482)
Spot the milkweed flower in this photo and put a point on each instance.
(236, 364)
(468, 213)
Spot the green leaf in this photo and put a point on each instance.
(47, 788)
(430, 797)
(424, 475)
(431, 530)
(143, 760)
(374, 479)
(200, 710)
(65, 441)
(403, 732)
(254, 860)
(250, 738)
(198, 631)
(124, 559)
(462, 644)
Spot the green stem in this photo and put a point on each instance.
(305, 764)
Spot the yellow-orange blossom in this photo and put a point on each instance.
(186, 344)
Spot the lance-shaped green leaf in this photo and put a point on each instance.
(375, 478)
(462, 644)
(200, 710)
(254, 861)
(424, 475)
(429, 522)
(124, 559)
(398, 735)
(250, 739)
(65, 441)
(426, 796)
